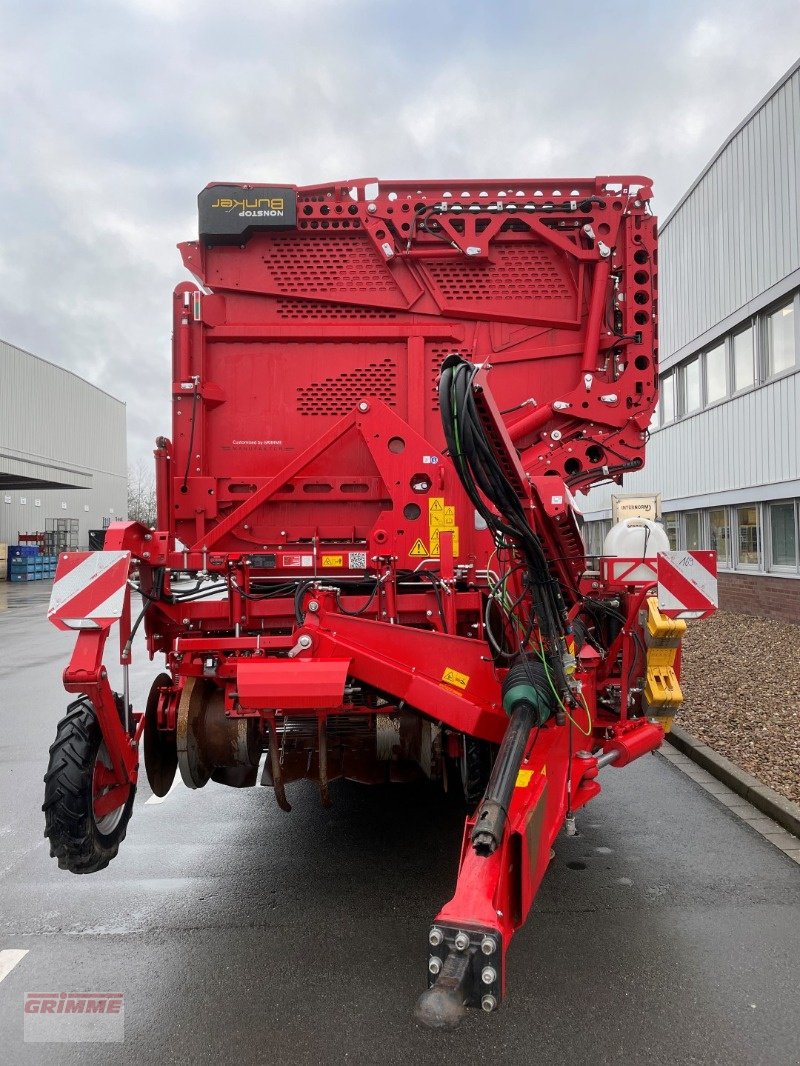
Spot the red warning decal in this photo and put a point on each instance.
(89, 589)
(687, 584)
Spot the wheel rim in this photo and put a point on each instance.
(103, 780)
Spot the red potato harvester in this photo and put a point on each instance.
(367, 562)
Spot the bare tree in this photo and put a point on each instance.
(141, 493)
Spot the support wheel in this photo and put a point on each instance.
(476, 768)
(84, 836)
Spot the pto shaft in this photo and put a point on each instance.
(528, 699)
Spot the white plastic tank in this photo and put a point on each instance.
(630, 540)
(635, 538)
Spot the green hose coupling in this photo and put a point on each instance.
(527, 682)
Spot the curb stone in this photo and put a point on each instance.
(766, 799)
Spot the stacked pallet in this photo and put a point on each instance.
(26, 564)
(3, 561)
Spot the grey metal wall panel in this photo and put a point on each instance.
(55, 425)
(50, 414)
(736, 233)
(731, 245)
(108, 498)
(749, 442)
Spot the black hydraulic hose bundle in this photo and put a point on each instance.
(532, 688)
(483, 479)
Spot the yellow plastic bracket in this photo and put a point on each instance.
(659, 627)
(662, 690)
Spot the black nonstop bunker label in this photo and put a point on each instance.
(228, 213)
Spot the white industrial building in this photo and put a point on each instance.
(725, 449)
(63, 453)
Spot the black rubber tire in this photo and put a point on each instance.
(468, 774)
(476, 767)
(75, 838)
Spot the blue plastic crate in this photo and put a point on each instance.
(20, 566)
(22, 551)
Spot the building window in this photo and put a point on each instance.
(780, 339)
(783, 535)
(720, 536)
(743, 360)
(590, 538)
(691, 531)
(605, 529)
(670, 524)
(716, 377)
(748, 534)
(594, 533)
(692, 397)
(667, 399)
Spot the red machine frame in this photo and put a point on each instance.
(307, 458)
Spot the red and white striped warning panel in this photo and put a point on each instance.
(687, 584)
(89, 589)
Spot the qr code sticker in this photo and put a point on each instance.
(357, 560)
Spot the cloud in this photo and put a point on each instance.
(115, 114)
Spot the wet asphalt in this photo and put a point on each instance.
(667, 931)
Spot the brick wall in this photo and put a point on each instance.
(771, 597)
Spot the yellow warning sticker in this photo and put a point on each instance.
(454, 678)
(443, 519)
(435, 540)
(524, 777)
(419, 549)
(333, 560)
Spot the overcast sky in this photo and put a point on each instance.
(114, 113)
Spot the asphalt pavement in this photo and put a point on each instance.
(666, 931)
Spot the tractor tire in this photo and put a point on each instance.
(82, 842)
(468, 774)
(476, 766)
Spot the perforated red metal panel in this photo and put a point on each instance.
(521, 272)
(306, 310)
(553, 284)
(339, 394)
(334, 264)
